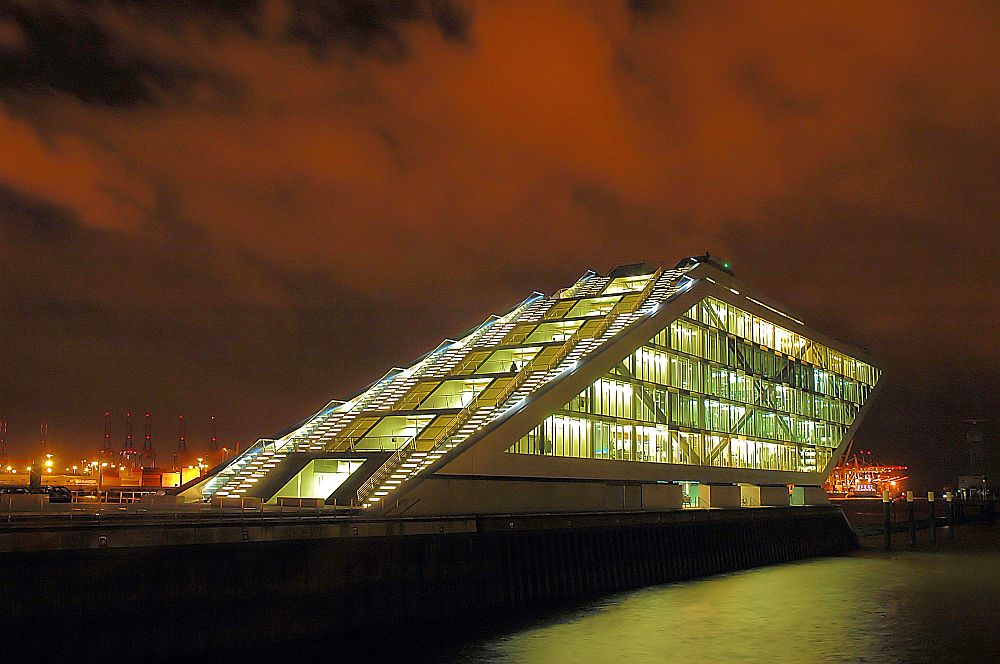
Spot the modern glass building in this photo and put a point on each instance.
(648, 387)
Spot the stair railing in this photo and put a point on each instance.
(534, 365)
(546, 364)
(234, 468)
(389, 466)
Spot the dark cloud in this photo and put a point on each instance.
(250, 208)
(71, 52)
(373, 26)
(75, 49)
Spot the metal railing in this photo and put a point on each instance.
(535, 365)
(389, 466)
(233, 470)
(539, 363)
(361, 444)
(49, 516)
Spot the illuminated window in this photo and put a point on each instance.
(455, 393)
(391, 432)
(694, 395)
(627, 284)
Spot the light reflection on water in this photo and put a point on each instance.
(902, 607)
(940, 603)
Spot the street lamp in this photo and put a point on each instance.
(99, 469)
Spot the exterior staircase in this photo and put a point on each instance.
(407, 461)
(480, 411)
(244, 471)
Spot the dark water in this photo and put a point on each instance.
(939, 603)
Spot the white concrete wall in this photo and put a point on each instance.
(809, 495)
(487, 496)
(774, 496)
(753, 495)
(719, 495)
(662, 496)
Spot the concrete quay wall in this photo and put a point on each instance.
(163, 592)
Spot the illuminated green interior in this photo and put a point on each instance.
(718, 387)
(319, 479)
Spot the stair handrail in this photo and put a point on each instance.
(571, 291)
(423, 365)
(235, 467)
(388, 466)
(520, 377)
(530, 367)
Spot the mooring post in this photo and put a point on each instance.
(950, 499)
(931, 504)
(886, 521)
(910, 519)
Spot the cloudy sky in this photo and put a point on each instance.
(245, 209)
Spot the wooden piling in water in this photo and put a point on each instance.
(931, 506)
(950, 499)
(886, 521)
(910, 518)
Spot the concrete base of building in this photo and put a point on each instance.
(719, 495)
(809, 495)
(752, 495)
(662, 496)
(484, 495)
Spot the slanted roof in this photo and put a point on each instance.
(539, 351)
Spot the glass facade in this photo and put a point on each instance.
(718, 387)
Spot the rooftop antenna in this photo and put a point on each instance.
(147, 443)
(213, 443)
(128, 451)
(181, 440)
(43, 438)
(128, 433)
(3, 440)
(107, 447)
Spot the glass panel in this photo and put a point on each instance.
(553, 331)
(508, 360)
(455, 393)
(391, 432)
(704, 391)
(627, 284)
(593, 306)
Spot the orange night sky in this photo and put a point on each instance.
(245, 209)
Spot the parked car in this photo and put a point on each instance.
(59, 494)
(56, 494)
